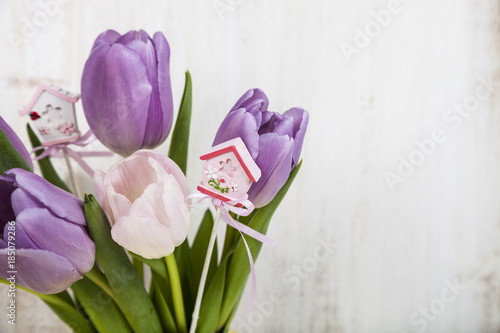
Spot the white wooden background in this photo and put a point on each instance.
(395, 253)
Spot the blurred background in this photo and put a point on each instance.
(393, 223)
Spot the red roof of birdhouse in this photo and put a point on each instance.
(236, 146)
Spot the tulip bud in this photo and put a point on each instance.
(274, 140)
(126, 90)
(143, 198)
(44, 237)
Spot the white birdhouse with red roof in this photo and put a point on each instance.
(229, 171)
(52, 113)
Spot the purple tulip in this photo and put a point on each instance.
(274, 140)
(126, 91)
(16, 142)
(44, 227)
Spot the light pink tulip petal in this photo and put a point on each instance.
(119, 205)
(169, 166)
(150, 205)
(100, 192)
(131, 176)
(164, 204)
(177, 210)
(145, 196)
(145, 237)
(164, 177)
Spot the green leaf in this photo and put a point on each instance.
(48, 171)
(130, 293)
(231, 316)
(161, 284)
(163, 301)
(180, 138)
(232, 235)
(96, 276)
(239, 269)
(212, 301)
(199, 251)
(9, 156)
(70, 316)
(100, 307)
(62, 305)
(158, 265)
(182, 255)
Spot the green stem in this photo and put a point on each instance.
(139, 268)
(96, 276)
(175, 284)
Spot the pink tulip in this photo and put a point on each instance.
(143, 197)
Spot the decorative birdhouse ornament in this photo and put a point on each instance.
(52, 114)
(229, 171)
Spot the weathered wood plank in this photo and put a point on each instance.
(394, 252)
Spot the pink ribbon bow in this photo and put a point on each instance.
(58, 149)
(237, 208)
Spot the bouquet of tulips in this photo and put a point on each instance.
(86, 257)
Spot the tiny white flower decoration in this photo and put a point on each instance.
(44, 130)
(66, 128)
(233, 187)
(212, 173)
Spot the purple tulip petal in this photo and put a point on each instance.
(115, 97)
(6, 211)
(241, 124)
(133, 35)
(128, 37)
(16, 142)
(154, 125)
(39, 270)
(251, 99)
(153, 132)
(140, 48)
(21, 200)
(107, 37)
(58, 236)
(143, 35)
(164, 85)
(274, 160)
(301, 120)
(22, 240)
(279, 125)
(58, 201)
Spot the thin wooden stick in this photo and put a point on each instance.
(206, 266)
(74, 184)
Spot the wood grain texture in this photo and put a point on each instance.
(393, 253)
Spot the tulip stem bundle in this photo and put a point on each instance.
(141, 205)
(175, 282)
(204, 273)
